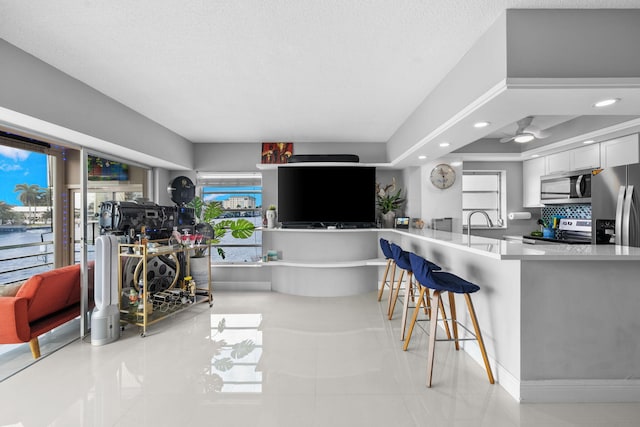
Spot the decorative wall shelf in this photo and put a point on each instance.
(271, 166)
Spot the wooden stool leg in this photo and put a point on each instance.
(395, 295)
(474, 319)
(444, 318)
(427, 303)
(433, 328)
(454, 319)
(405, 305)
(392, 285)
(414, 318)
(35, 347)
(384, 280)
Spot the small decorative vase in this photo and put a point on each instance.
(271, 218)
(388, 219)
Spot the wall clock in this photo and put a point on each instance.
(443, 176)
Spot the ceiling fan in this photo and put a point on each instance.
(526, 132)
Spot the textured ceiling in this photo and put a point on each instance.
(258, 70)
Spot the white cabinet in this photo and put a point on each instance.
(532, 170)
(558, 162)
(620, 151)
(587, 157)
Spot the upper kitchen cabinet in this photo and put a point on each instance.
(558, 162)
(620, 151)
(532, 170)
(587, 157)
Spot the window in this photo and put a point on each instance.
(26, 209)
(485, 191)
(240, 195)
(98, 192)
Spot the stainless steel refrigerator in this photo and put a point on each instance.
(614, 204)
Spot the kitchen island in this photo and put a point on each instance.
(560, 322)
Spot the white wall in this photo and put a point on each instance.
(45, 102)
(438, 203)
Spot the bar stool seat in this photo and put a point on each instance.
(444, 282)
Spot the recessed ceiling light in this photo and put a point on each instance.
(535, 155)
(456, 163)
(444, 144)
(523, 138)
(590, 141)
(481, 124)
(422, 157)
(606, 102)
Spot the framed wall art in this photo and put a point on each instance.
(276, 152)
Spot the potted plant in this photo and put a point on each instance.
(388, 200)
(210, 213)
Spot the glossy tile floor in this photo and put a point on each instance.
(267, 359)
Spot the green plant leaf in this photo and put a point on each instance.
(197, 204)
(242, 228)
(221, 253)
(390, 202)
(212, 211)
(221, 325)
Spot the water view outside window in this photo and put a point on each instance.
(25, 215)
(238, 201)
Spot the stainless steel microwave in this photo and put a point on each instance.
(571, 187)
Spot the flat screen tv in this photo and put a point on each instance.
(321, 196)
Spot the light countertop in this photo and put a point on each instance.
(510, 249)
(498, 248)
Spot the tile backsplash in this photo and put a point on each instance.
(566, 211)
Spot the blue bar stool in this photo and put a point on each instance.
(391, 265)
(402, 260)
(444, 282)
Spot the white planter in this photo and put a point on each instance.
(271, 218)
(199, 270)
(388, 219)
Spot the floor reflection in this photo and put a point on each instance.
(236, 352)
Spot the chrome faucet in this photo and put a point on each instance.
(486, 215)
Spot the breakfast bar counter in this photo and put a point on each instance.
(516, 250)
(561, 323)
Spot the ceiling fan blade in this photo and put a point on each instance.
(507, 139)
(538, 133)
(523, 124)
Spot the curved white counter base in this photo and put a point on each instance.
(323, 263)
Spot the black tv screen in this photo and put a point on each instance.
(326, 196)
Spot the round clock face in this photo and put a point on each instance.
(443, 176)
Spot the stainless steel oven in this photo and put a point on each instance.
(572, 187)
